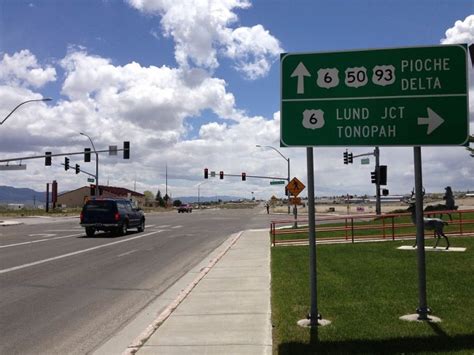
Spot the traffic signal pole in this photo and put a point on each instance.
(378, 208)
(348, 159)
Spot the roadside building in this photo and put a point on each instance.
(77, 198)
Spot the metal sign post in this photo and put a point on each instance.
(423, 309)
(314, 318)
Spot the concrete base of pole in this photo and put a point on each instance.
(416, 318)
(306, 323)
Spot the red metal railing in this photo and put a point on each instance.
(377, 227)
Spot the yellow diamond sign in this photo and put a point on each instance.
(295, 187)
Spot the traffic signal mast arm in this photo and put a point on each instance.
(258, 177)
(55, 155)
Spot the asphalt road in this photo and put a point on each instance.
(61, 292)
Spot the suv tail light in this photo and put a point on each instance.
(117, 216)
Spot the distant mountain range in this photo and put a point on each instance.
(203, 199)
(25, 196)
(9, 194)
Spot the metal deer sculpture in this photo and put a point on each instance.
(434, 224)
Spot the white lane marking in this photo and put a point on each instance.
(45, 235)
(19, 267)
(164, 226)
(176, 227)
(65, 230)
(39, 240)
(127, 253)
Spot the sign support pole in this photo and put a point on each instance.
(314, 318)
(422, 309)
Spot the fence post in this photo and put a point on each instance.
(352, 228)
(345, 229)
(393, 228)
(272, 231)
(460, 222)
(383, 223)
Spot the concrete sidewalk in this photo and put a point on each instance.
(228, 311)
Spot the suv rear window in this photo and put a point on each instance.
(99, 206)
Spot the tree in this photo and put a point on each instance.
(149, 196)
(159, 199)
(177, 203)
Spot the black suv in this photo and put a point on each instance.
(114, 215)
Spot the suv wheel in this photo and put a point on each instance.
(90, 232)
(141, 227)
(123, 229)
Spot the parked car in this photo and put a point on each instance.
(112, 215)
(185, 208)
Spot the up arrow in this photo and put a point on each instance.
(433, 120)
(300, 72)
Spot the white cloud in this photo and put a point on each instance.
(22, 69)
(201, 31)
(151, 97)
(461, 32)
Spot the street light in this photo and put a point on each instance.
(96, 165)
(24, 102)
(288, 160)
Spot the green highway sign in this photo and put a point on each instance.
(90, 180)
(365, 161)
(277, 182)
(383, 97)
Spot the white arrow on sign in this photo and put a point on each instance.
(300, 72)
(433, 120)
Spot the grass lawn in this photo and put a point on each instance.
(363, 289)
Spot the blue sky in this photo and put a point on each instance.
(222, 112)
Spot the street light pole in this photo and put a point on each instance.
(288, 179)
(97, 193)
(199, 194)
(24, 102)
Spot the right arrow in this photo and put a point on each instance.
(433, 121)
(300, 72)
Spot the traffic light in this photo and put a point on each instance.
(126, 150)
(66, 163)
(206, 173)
(346, 157)
(47, 159)
(244, 176)
(373, 177)
(350, 158)
(78, 169)
(87, 155)
(221, 175)
(383, 174)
